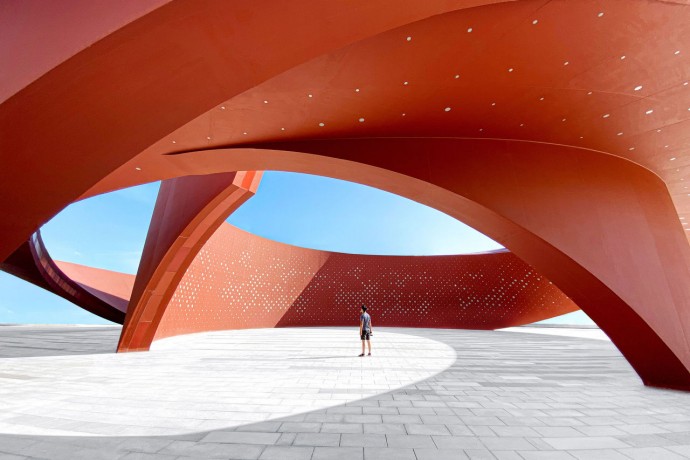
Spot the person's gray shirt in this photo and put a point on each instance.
(365, 319)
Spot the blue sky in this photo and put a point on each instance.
(108, 232)
(323, 213)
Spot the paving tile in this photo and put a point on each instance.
(344, 410)
(479, 454)
(559, 432)
(419, 411)
(457, 442)
(598, 454)
(380, 411)
(213, 450)
(482, 430)
(317, 439)
(599, 430)
(651, 453)
(514, 431)
(378, 453)
(148, 445)
(646, 440)
(539, 443)
(459, 430)
(401, 419)
(338, 453)
(269, 427)
(352, 418)
(409, 441)
(594, 421)
(363, 440)
(545, 455)
(384, 428)
(480, 420)
(341, 428)
(287, 453)
(294, 418)
(603, 442)
(561, 421)
(140, 456)
(521, 421)
(438, 430)
(506, 443)
(286, 439)
(440, 454)
(506, 455)
(443, 417)
(300, 427)
(642, 429)
(325, 418)
(247, 437)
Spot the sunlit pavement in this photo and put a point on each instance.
(304, 394)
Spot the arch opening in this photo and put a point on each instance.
(324, 213)
(457, 189)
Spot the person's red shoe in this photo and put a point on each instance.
(361, 355)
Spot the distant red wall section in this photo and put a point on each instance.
(239, 280)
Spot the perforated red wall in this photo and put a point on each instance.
(240, 280)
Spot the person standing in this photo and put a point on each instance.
(365, 329)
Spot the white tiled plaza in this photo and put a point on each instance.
(303, 393)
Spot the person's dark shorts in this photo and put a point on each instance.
(366, 335)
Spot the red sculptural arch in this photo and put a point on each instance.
(522, 195)
(507, 115)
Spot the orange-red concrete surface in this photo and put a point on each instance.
(101, 292)
(187, 212)
(558, 128)
(58, 30)
(112, 287)
(239, 280)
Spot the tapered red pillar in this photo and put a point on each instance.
(187, 212)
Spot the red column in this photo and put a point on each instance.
(187, 212)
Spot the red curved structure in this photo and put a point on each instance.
(101, 292)
(240, 280)
(508, 115)
(187, 212)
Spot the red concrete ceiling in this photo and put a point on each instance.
(119, 95)
(39, 35)
(595, 75)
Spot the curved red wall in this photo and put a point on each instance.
(239, 280)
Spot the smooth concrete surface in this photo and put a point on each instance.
(304, 394)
